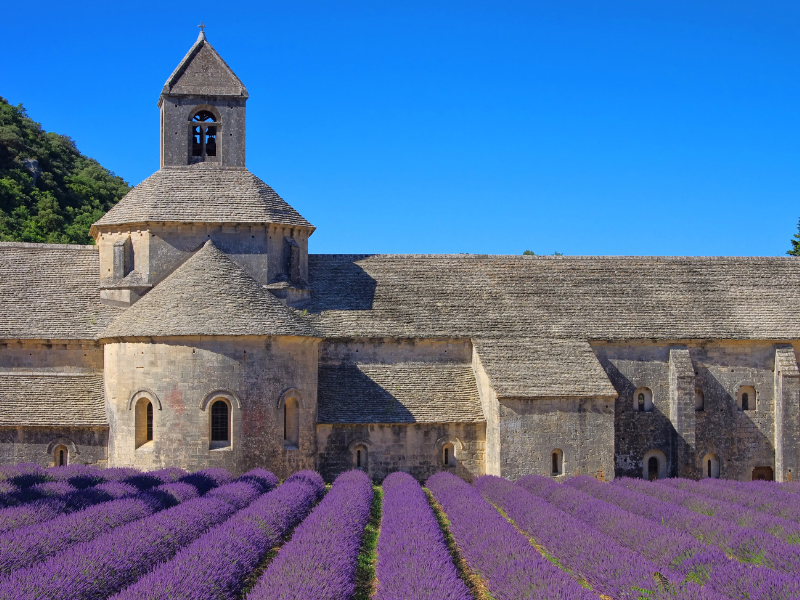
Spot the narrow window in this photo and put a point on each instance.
(709, 467)
(446, 456)
(143, 425)
(219, 422)
(641, 402)
(149, 421)
(746, 398)
(652, 468)
(361, 457)
(556, 462)
(61, 456)
(699, 400)
(291, 423)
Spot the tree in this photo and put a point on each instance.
(49, 192)
(795, 251)
(529, 253)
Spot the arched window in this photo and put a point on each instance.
(360, 457)
(291, 423)
(643, 400)
(143, 416)
(220, 424)
(448, 455)
(710, 466)
(746, 398)
(699, 400)
(204, 126)
(556, 462)
(61, 456)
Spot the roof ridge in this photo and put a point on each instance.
(36, 245)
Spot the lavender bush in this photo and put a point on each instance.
(320, 560)
(100, 568)
(503, 557)
(216, 564)
(413, 559)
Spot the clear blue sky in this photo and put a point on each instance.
(587, 127)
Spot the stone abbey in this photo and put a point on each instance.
(199, 332)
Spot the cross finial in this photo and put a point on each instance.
(202, 27)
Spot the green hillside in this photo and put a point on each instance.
(56, 198)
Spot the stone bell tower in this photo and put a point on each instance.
(203, 111)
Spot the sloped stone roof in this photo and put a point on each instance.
(202, 193)
(51, 291)
(398, 393)
(208, 295)
(202, 72)
(578, 298)
(51, 399)
(540, 368)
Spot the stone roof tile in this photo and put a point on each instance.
(540, 368)
(202, 193)
(208, 295)
(50, 291)
(398, 393)
(579, 298)
(52, 399)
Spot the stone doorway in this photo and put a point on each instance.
(763, 474)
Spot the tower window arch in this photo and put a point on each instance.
(643, 400)
(654, 465)
(220, 422)
(143, 425)
(204, 129)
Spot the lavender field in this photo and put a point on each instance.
(83, 533)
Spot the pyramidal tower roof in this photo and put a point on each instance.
(202, 72)
(208, 295)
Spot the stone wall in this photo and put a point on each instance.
(415, 449)
(63, 356)
(156, 250)
(85, 445)
(183, 376)
(741, 439)
(531, 429)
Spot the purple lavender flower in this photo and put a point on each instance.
(319, 561)
(266, 480)
(216, 564)
(503, 557)
(99, 568)
(413, 559)
(752, 583)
